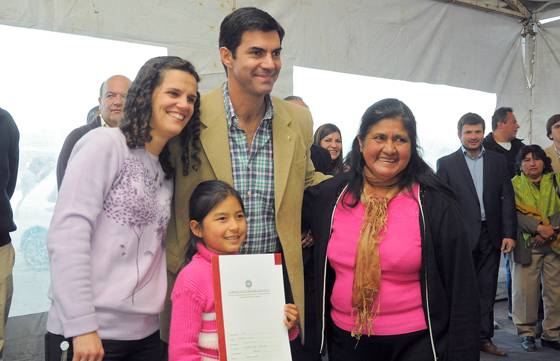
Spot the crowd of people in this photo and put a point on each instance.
(383, 258)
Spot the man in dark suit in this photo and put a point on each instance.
(481, 181)
(112, 95)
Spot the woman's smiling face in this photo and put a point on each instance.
(386, 150)
(333, 143)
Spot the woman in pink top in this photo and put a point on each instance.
(395, 279)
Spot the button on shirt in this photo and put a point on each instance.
(476, 168)
(253, 177)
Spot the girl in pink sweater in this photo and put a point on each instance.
(218, 226)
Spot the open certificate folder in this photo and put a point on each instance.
(249, 296)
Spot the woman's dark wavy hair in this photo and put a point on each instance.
(538, 153)
(205, 197)
(138, 112)
(323, 131)
(417, 171)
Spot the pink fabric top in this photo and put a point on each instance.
(400, 299)
(193, 331)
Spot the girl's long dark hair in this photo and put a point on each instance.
(205, 197)
(417, 171)
(138, 112)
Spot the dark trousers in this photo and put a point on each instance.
(311, 308)
(414, 346)
(146, 349)
(299, 353)
(164, 351)
(486, 258)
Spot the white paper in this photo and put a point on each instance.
(253, 302)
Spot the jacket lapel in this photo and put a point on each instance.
(214, 135)
(283, 144)
(486, 169)
(465, 173)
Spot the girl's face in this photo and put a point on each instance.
(333, 143)
(224, 229)
(173, 103)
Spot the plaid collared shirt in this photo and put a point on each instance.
(253, 178)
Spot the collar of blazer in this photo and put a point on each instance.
(214, 140)
(466, 174)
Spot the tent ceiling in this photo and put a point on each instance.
(431, 41)
(541, 5)
(521, 9)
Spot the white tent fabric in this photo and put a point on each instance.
(415, 40)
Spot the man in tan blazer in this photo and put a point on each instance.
(258, 143)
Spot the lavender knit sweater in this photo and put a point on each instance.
(106, 241)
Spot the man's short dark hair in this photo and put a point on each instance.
(470, 119)
(550, 122)
(246, 19)
(500, 116)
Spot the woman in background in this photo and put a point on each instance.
(328, 137)
(536, 259)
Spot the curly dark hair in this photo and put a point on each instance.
(138, 112)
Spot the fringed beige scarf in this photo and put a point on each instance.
(367, 274)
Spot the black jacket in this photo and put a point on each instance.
(498, 197)
(448, 282)
(9, 159)
(69, 144)
(321, 159)
(516, 144)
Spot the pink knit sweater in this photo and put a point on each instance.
(193, 334)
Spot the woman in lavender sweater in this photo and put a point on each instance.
(106, 240)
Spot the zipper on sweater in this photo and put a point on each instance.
(325, 272)
(426, 278)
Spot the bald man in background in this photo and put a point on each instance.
(112, 95)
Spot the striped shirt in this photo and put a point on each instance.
(253, 177)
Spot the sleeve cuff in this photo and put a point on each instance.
(293, 333)
(80, 326)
